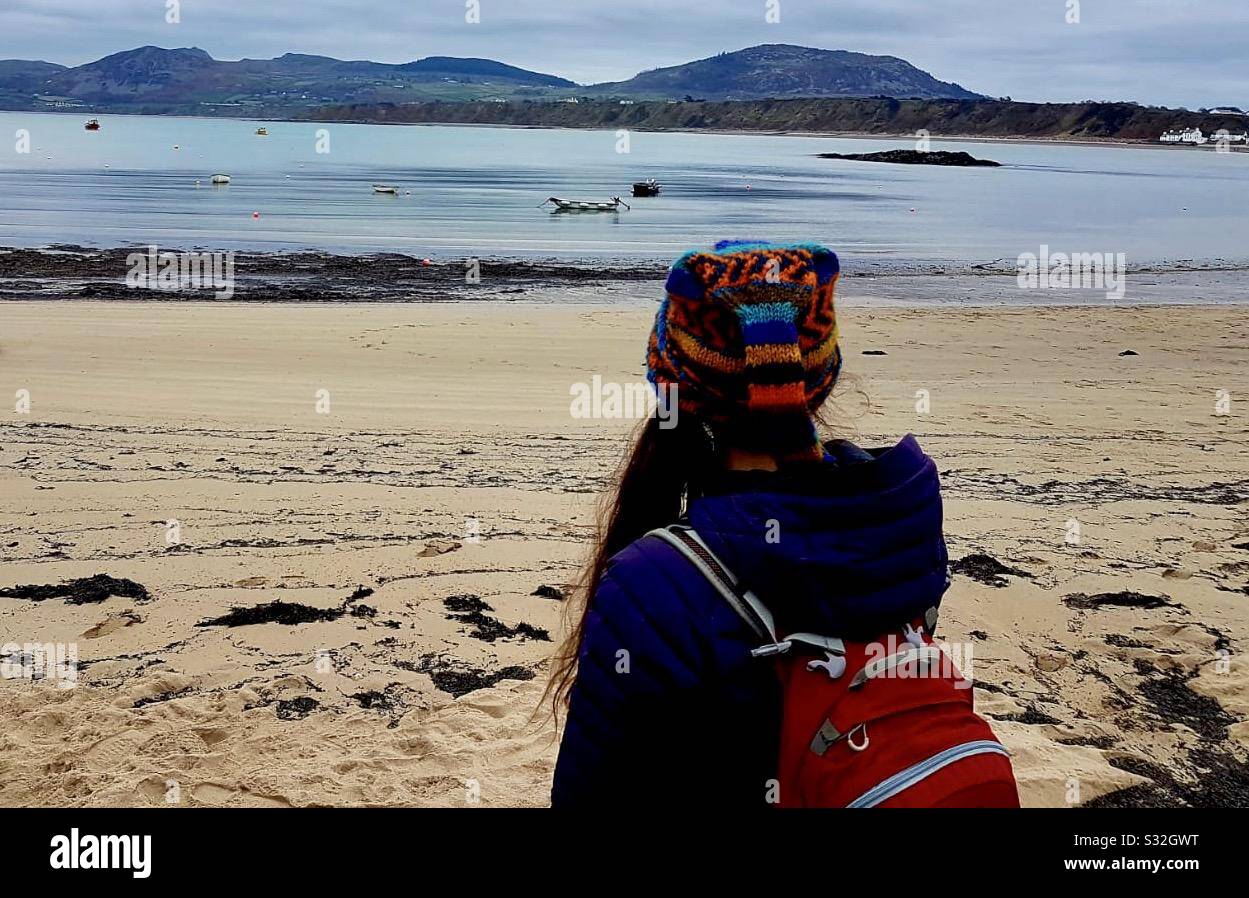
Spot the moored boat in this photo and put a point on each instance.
(262, 131)
(93, 125)
(562, 205)
(221, 179)
(385, 188)
(649, 187)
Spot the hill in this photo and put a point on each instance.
(186, 80)
(784, 70)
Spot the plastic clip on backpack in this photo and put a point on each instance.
(884, 724)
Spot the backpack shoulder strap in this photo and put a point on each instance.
(686, 541)
(748, 606)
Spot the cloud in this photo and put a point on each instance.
(1175, 52)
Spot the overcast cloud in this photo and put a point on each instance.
(1171, 52)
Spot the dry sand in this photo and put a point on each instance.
(206, 414)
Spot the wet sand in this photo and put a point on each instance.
(420, 529)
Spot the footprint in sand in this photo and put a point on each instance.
(212, 794)
(438, 547)
(212, 736)
(217, 795)
(112, 624)
(163, 790)
(110, 753)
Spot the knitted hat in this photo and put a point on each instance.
(748, 334)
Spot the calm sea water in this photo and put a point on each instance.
(475, 191)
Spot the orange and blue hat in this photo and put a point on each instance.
(748, 334)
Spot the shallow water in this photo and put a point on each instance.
(475, 191)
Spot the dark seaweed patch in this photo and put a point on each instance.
(550, 592)
(1126, 599)
(468, 609)
(993, 688)
(1101, 742)
(1120, 641)
(375, 700)
(1145, 795)
(529, 631)
(1031, 716)
(1219, 780)
(1173, 700)
(986, 569)
(162, 697)
(362, 592)
(457, 679)
(1222, 642)
(1099, 490)
(297, 708)
(1222, 780)
(292, 613)
(83, 591)
(462, 682)
(465, 604)
(279, 612)
(1161, 792)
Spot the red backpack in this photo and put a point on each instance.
(882, 724)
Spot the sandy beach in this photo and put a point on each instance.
(408, 481)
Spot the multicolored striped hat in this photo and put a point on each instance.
(748, 334)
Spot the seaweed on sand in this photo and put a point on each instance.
(82, 591)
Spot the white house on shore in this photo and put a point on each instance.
(1192, 136)
(1195, 137)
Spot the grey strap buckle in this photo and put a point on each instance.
(772, 650)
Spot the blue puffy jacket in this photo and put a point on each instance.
(668, 706)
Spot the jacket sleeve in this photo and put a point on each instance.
(633, 707)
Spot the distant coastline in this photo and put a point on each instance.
(315, 118)
(1122, 123)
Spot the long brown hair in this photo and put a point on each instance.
(659, 474)
(653, 484)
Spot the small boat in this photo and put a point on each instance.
(93, 125)
(649, 187)
(262, 131)
(578, 206)
(386, 188)
(221, 179)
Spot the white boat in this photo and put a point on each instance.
(221, 179)
(262, 132)
(579, 206)
(385, 188)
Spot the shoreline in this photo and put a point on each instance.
(1108, 142)
(77, 273)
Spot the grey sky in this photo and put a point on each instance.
(1170, 52)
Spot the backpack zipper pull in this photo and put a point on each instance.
(835, 666)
